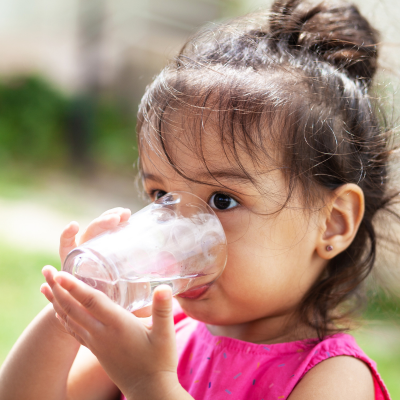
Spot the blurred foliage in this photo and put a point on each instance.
(115, 137)
(382, 306)
(381, 342)
(31, 121)
(36, 128)
(21, 277)
(16, 183)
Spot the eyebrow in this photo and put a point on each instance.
(234, 176)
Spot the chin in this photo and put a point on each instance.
(198, 310)
(203, 311)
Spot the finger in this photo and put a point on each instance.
(49, 272)
(99, 226)
(108, 220)
(143, 312)
(60, 313)
(68, 326)
(68, 239)
(46, 290)
(72, 309)
(124, 213)
(91, 301)
(163, 321)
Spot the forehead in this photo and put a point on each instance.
(196, 148)
(201, 155)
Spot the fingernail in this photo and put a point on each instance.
(58, 279)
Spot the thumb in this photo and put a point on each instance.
(163, 321)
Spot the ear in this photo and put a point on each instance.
(345, 211)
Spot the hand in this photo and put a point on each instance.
(108, 220)
(140, 359)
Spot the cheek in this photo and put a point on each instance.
(255, 287)
(254, 277)
(271, 263)
(236, 224)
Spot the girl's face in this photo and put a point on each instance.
(272, 259)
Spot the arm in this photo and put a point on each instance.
(344, 378)
(87, 379)
(42, 349)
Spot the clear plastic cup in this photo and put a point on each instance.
(176, 240)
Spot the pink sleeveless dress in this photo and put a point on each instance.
(217, 367)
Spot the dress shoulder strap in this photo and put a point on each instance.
(344, 345)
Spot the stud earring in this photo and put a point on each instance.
(329, 248)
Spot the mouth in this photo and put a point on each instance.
(195, 293)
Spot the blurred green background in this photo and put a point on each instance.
(71, 77)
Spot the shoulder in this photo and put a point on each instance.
(341, 377)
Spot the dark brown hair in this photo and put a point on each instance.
(297, 80)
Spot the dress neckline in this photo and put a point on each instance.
(241, 345)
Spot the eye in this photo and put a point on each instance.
(222, 201)
(157, 194)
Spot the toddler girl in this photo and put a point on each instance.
(270, 120)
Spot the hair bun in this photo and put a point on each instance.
(335, 31)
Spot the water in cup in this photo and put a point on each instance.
(177, 240)
(134, 294)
